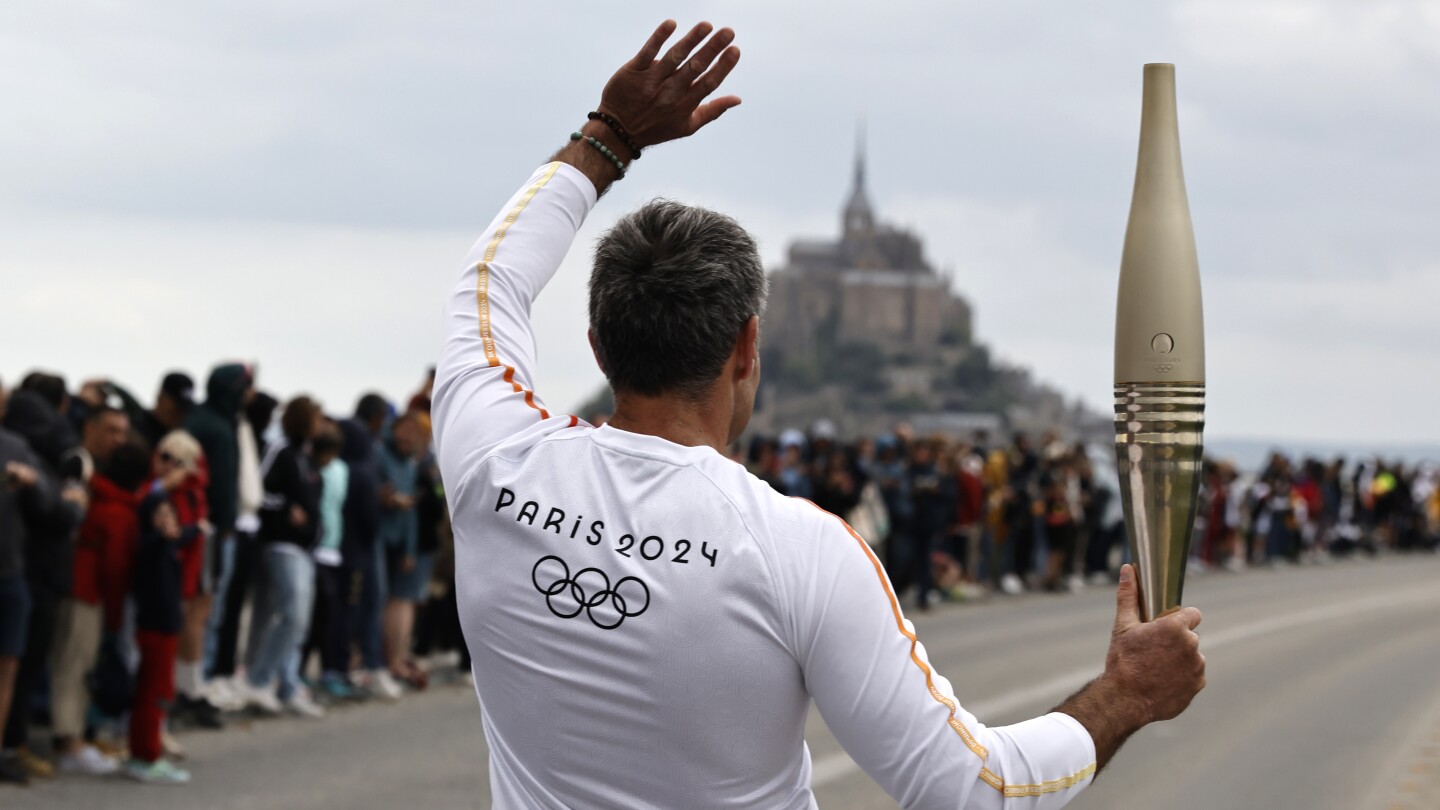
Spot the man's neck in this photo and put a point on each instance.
(674, 419)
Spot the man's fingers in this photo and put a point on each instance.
(713, 77)
(652, 46)
(710, 111)
(1127, 600)
(675, 57)
(1189, 617)
(703, 57)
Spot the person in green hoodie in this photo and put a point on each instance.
(214, 424)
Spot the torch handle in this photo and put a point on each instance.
(1159, 429)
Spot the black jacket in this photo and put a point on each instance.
(362, 502)
(21, 509)
(289, 482)
(213, 424)
(50, 540)
(155, 578)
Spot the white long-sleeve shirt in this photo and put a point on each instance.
(649, 622)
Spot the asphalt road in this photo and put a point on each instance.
(1324, 692)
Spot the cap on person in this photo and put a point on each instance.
(178, 386)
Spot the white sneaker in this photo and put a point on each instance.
(223, 692)
(1011, 584)
(262, 698)
(301, 704)
(385, 686)
(88, 760)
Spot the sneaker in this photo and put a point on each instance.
(88, 760)
(11, 771)
(114, 749)
(261, 698)
(224, 694)
(300, 704)
(1011, 584)
(36, 766)
(198, 712)
(159, 772)
(334, 686)
(384, 686)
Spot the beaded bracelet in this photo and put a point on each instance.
(619, 129)
(604, 150)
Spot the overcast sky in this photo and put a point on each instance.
(295, 183)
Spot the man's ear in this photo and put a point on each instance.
(595, 350)
(747, 349)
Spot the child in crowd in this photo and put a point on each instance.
(156, 587)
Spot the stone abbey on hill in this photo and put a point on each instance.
(864, 331)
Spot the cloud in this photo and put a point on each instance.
(295, 183)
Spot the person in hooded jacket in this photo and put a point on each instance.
(28, 498)
(240, 558)
(362, 543)
(214, 424)
(47, 555)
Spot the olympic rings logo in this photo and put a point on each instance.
(567, 596)
(1164, 368)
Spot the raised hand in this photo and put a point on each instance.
(658, 100)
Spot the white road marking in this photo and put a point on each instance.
(833, 767)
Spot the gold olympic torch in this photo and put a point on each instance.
(1159, 358)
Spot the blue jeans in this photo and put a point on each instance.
(282, 617)
(225, 554)
(367, 619)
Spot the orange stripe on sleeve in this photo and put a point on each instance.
(987, 776)
(482, 287)
(954, 721)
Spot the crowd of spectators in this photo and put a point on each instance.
(959, 519)
(163, 566)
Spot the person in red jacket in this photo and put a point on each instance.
(181, 471)
(969, 510)
(101, 573)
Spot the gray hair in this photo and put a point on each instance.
(671, 288)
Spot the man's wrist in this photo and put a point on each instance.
(1129, 709)
(583, 155)
(1110, 712)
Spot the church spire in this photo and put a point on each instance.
(860, 157)
(859, 221)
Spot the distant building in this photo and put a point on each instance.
(872, 286)
(864, 332)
